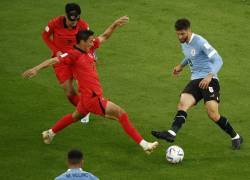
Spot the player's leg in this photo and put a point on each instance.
(114, 111)
(185, 103)
(70, 92)
(65, 121)
(212, 107)
(73, 96)
(65, 78)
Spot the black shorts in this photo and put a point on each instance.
(211, 93)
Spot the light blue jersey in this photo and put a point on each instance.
(201, 57)
(76, 174)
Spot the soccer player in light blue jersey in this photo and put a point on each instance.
(205, 63)
(75, 172)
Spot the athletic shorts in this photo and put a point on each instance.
(211, 93)
(63, 72)
(92, 104)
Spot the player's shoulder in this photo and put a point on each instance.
(61, 176)
(57, 21)
(83, 24)
(199, 39)
(90, 175)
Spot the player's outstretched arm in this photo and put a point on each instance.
(117, 23)
(33, 71)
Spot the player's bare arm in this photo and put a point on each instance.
(205, 82)
(117, 23)
(33, 71)
(177, 69)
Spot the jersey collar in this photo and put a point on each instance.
(77, 48)
(192, 36)
(75, 169)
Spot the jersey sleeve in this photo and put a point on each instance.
(185, 61)
(47, 33)
(213, 56)
(66, 58)
(207, 49)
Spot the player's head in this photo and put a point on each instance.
(183, 30)
(85, 39)
(75, 158)
(73, 12)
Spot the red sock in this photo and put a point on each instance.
(129, 128)
(74, 99)
(63, 123)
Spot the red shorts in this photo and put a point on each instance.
(63, 72)
(94, 104)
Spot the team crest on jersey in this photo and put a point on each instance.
(193, 52)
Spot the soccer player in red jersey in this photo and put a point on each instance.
(59, 35)
(91, 96)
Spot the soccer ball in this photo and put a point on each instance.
(174, 154)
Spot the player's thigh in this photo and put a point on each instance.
(113, 111)
(77, 115)
(186, 101)
(68, 88)
(213, 110)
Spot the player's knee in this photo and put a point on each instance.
(77, 116)
(69, 92)
(182, 106)
(213, 115)
(120, 112)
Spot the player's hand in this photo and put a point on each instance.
(177, 69)
(121, 21)
(29, 73)
(58, 53)
(205, 82)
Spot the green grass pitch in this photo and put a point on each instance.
(135, 71)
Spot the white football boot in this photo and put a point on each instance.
(150, 147)
(47, 136)
(85, 119)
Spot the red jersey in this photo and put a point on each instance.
(62, 38)
(84, 69)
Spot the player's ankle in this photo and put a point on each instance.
(143, 144)
(172, 132)
(52, 133)
(236, 137)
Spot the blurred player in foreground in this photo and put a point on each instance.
(75, 164)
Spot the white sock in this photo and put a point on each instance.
(144, 144)
(52, 133)
(236, 137)
(172, 132)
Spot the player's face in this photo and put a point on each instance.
(71, 24)
(183, 35)
(87, 45)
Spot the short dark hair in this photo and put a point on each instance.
(75, 156)
(83, 35)
(182, 24)
(73, 11)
